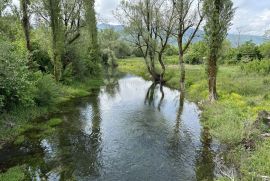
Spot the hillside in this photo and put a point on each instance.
(233, 38)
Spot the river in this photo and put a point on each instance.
(129, 129)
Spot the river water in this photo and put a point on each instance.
(128, 130)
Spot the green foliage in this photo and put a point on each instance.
(257, 165)
(265, 50)
(15, 84)
(110, 39)
(137, 52)
(218, 15)
(55, 122)
(41, 58)
(196, 53)
(248, 51)
(14, 174)
(109, 58)
(171, 50)
(93, 46)
(261, 67)
(47, 90)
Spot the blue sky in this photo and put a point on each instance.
(252, 16)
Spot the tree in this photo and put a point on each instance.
(54, 11)
(91, 22)
(149, 24)
(187, 18)
(248, 52)
(218, 15)
(265, 49)
(25, 22)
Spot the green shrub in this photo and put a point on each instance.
(47, 90)
(14, 174)
(15, 85)
(171, 50)
(41, 58)
(261, 67)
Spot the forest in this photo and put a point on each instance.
(166, 97)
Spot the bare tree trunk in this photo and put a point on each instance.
(26, 23)
(182, 72)
(212, 79)
(163, 68)
(181, 64)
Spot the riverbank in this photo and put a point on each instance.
(17, 121)
(241, 97)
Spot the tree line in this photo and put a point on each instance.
(152, 23)
(42, 43)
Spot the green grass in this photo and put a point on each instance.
(241, 97)
(14, 174)
(13, 124)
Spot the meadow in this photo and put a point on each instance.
(231, 119)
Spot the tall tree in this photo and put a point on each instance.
(91, 23)
(218, 15)
(149, 24)
(25, 22)
(188, 21)
(54, 11)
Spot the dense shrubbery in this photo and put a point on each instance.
(196, 53)
(261, 67)
(112, 45)
(171, 50)
(46, 90)
(15, 84)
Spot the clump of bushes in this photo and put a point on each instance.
(15, 82)
(46, 90)
(261, 67)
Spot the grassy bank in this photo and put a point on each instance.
(241, 97)
(17, 121)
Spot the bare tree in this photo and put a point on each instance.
(188, 21)
(149, 24)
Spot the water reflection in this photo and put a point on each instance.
(130, 129)
(150, 95)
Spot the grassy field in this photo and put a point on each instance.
(241, 97)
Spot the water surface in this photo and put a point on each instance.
(130, 129)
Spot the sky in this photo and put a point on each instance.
(252, 17)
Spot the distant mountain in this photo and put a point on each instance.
(103, 26)
(233, 38)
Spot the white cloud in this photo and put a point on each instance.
(105, 8)
(251, 17)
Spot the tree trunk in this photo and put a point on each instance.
(212, 78)
(182, 72)
(163, 68)
(181, 63)
(25, 23)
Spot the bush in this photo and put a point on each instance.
(108, 57)
(41, 58)
(47, 90)
(171, 50)
(137, 52)
(196, 53)
(15, 85)
(261, 67)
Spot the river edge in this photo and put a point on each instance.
(18, 171)
(230, 120)
(16, 121)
